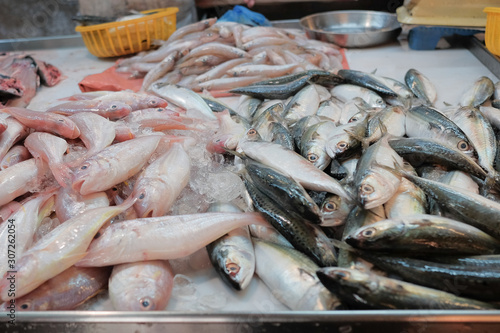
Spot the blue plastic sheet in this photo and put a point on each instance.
(241, 14)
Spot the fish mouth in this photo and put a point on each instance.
(77, 185)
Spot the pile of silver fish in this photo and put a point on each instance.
(21, 75)
(218, 56)
(342, 190)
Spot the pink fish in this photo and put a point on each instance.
(26, 221)
(158, 119)
(15, 155)
(161, 182)
(70, 203)
(20, 180)
(50, 149)
(109, 109)
(15, 132)
(57, 251)
(45, 122)
(49, 74)
(166, 237)
(114, 164)
(141, 286)
(65, 291)
(96, 132)
(136, 101)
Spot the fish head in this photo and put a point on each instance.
(114, 110)
(316, 154)
(334, 278)
(335, 210)
(87, 175)
(221, 143)
(377, 188)
(156, 102)
(376, 235)
(236, 267)
(150, 200)
(66, 127)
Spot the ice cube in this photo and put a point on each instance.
(184, 288)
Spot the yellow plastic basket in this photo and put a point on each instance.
(131, 36)
(492, 33)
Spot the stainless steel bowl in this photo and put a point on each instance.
(352, 28)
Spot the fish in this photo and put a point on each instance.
(421, 86)
(366, 80)
(313, 143)
(283, 189)
(145, 239)
(228, 135)
(424, 121)
(96, 133)
(479, 92)
(112, 110)
(390, 120)
(305, 237)
(60, 249)
(161, 182)
(17, 232)
(334, 211)
(140, 286)
(473, 209)
(290, 275)
(347, 92)
(345, 138)
(20, 180)
(232, 255)
(159, 70)
(423, 233)
(16, 154)
(49, 74)
(184, 97)
(408, 200)
(45, 122)
(378, 292)
(70, 203)
(272, 91)
(24, 70)
(291, 163)
(304, 103)
(15, 132)
(50, 149)
(113, 164)
(374, 184)
(460, 280)
(418, 151)
(190, 28)
(65, 291)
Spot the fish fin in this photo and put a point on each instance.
(73, 258)
(374, 71)
(447, 104)
(343, 245)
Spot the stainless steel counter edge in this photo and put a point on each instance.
(44, 43)
(407, 321)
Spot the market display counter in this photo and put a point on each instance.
(451, 70)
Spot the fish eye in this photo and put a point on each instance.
(312, 157)
(84, 167)
(142, 196)
(152, 103)
(25, 306)
(343, 274)
(160, 109)
(407, 164)
(252, 131)
(114, 106)
(342, 145)
(367, 189)
(146, 303)
(232, 268)
(330, 206)
(97, 235)
(114, 189)
(60, 120)
(368, 232)
(463, 145)
(379, 101)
